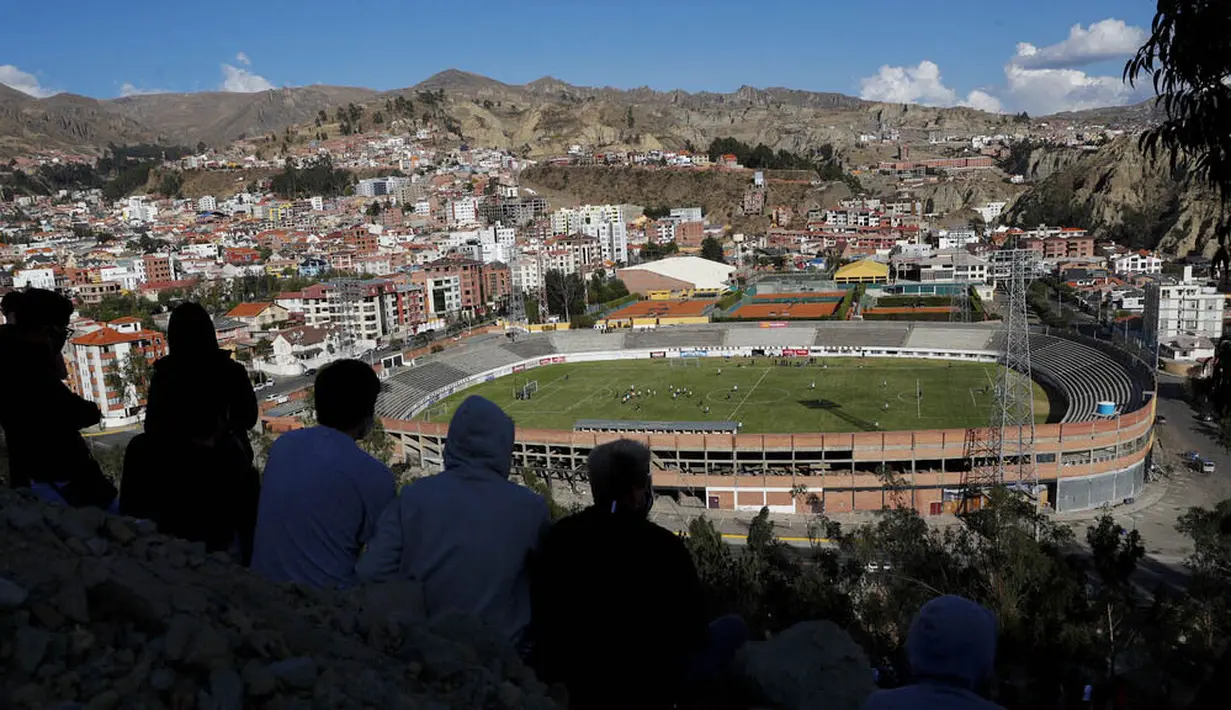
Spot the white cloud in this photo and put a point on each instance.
(243, 59)
(1102, 41)
(129, 89)
(24, 82)
(982, 101)
(1037, 80)
(1044, 91)
(243, 81)
(920, 84)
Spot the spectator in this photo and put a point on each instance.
(597, 575)
(322, 495)
(952, 650)
(467, 532)
(191, 471)
(8, 307)
(41, 417)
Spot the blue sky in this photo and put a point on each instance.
(896, 50)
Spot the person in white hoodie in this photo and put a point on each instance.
(466, 534)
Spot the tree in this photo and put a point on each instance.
(378, 118)
(374, 209)
(1188, 59)
(201, 146)
(565, 293)
(378, 443)
(711, 249)
(629, 119)
(1115, 554)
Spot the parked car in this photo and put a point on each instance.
(310, 372)
(1160, 419)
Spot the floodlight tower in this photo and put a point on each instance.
(1003, 453)
(959, 311)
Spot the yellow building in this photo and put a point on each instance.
(866, 271)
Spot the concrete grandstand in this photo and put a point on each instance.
(1083, 459)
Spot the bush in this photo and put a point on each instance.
(730, 299)
(437, 347)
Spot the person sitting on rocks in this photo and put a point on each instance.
(322, 495)
(593, 580)
(41, 417)
(191, 471)
(466, 533)
(951, 647)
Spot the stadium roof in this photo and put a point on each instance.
(634, 425)
(701, 273)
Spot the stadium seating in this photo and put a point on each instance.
(675, 337)
(584, 341)
(794, 336)
(1084, 373)
(472, 361)
(402, 391)
(531, 346)
(953, 337)
(862, 335)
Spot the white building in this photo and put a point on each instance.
(103, 350)
(34, 278)
(462, 211)
(991, 211)
(136, 209)
(1186, 308)
(1138, 262)
(687, 214)
(526, 272)
(443, 296)
(207, 204)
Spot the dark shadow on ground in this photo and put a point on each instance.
(836, 409)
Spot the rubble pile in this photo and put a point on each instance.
(100, 612)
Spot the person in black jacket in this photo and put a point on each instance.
(191, 471)
(616, 605)
(42, 418)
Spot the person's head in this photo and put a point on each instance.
(480, 438)
(44, 314)
(191, 331)
(952, 640)
(620, 477)
(346, 392)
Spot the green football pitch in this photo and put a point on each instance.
(834, 394)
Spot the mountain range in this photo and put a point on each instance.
(540, 118)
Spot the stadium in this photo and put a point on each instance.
(826, 416)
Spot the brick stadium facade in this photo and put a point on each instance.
(1082, 462)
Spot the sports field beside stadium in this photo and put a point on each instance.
(834, 395)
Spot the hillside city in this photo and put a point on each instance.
(474, 394)
(444, 236)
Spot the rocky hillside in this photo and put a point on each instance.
(64, 121)
(719, 194)
(97, 612)
(541, 117)
(1123, 195)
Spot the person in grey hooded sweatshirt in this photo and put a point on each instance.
(951, 646)
(466, 533)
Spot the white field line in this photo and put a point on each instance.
(731, 416)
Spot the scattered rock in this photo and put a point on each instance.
(103, 613)
(812, 664)
(295, 672)
(29, 647)
(226, 689)
(11, 595)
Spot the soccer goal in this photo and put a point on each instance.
(528, 390)
(684, 362)
(436, 412)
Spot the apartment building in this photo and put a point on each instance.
(1138, 262)
(93, 293)
(443, 296)
(1185, 308)
(469, 279)
(99, 370)
(462, 211)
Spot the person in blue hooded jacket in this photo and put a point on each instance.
(951, 646)
(466, 533)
